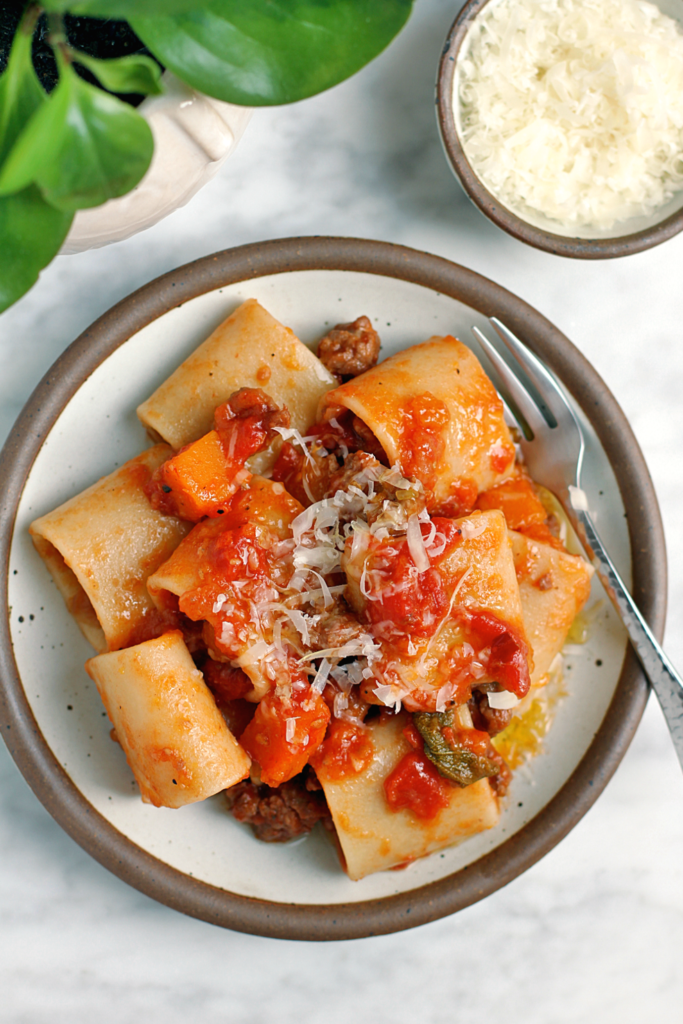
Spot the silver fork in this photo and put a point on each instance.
(553, 446)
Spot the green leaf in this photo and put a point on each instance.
(271, 51)
(81, 147)
(135, 73)
(31, 233)
(119, 8)
(454, 760)
(21, 94)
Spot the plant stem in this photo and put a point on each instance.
(29, 18)
(57, 39)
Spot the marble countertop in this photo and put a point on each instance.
(593, 931)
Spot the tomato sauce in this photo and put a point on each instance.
(347, 750)
(461, 500)
(244, 425)
(422, 438)
(415, 784)
(508, 662)
(405, 602)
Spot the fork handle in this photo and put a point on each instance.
(663, 677)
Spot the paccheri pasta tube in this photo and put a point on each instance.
(174, 738)
(103, 544)
(342, 638)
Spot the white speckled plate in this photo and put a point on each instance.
(81, 424)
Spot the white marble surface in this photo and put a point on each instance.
(593, 931)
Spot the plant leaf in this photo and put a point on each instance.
(31, 233)
(271, 51)
(21, 94)
(119, 8)
(81, 147)
(134, 73)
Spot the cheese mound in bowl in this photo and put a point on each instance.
(570, 112)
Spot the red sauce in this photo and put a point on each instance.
(225, 681)
(288, 470)
(502, 456)
(508, 662)
(346, 751)
(461, 500)
(422, 438)
(234, 557)
(415, 785)
(244, 425)
(407, 603)
(340, 433)
(153, 624)
(476, 740)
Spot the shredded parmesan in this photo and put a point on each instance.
(390, 696)
(471, 528)
(291, 434)
(574, 108)
(502, 700)
(416, 544)
(321, 676)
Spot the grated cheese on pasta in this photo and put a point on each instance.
(574, 108)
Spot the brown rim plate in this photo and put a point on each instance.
(177, 889)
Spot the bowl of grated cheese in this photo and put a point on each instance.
(563, 120)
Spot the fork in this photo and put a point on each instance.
(553, 446)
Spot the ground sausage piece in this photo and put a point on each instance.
(350, 349)
(486, 718)
(277, 815)
(251, 404)
(335, 626)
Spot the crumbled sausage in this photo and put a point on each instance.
(336, 626)
(350, 349)
(486, 718)
(277, 815)
(253, 404)
(367, 440)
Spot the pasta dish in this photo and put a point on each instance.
(326, 590)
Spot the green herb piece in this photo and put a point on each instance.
(21, 94)
(271, 51)
(453, 760)
(31, 234)
(31, 231)
(134, 73)
(81, 147)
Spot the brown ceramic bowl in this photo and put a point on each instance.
(80, 422)
(634, 235)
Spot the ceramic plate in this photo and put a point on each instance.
(80, 424)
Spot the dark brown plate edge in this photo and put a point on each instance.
(459, 890)
(491, 207)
